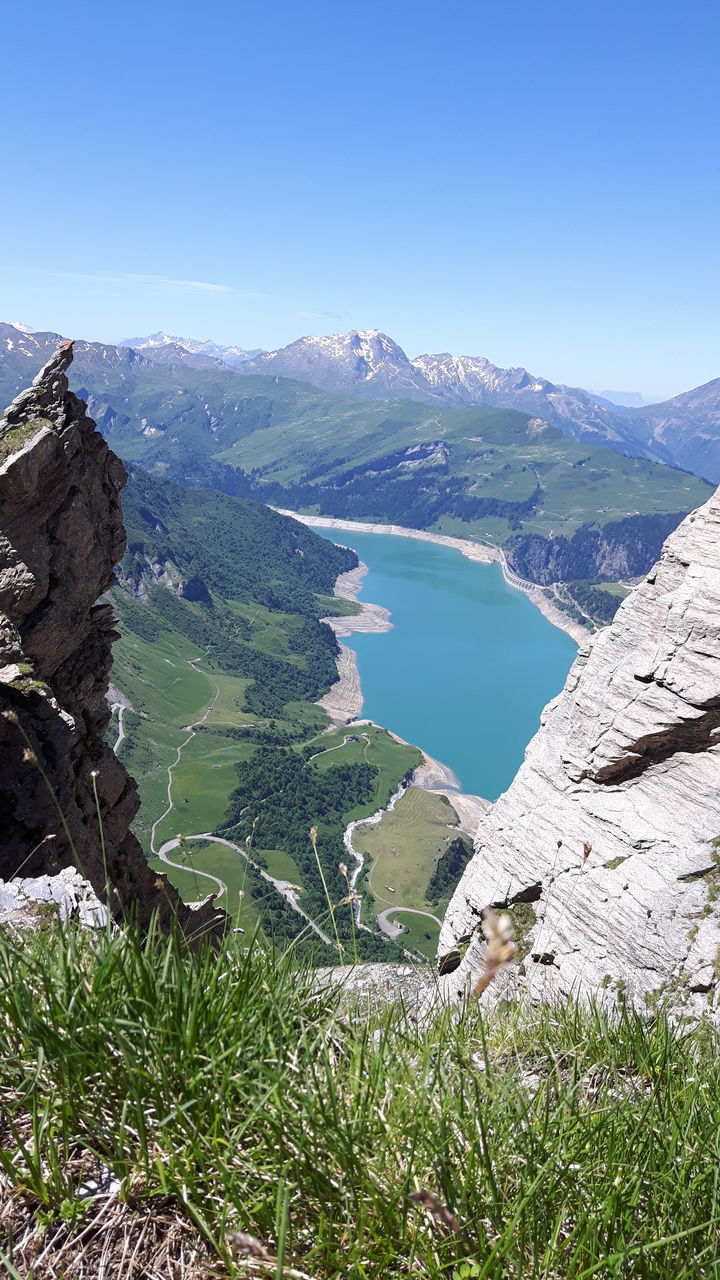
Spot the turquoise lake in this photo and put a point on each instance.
(468, 665)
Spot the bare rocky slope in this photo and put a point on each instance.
(64, 797)
(604, 847)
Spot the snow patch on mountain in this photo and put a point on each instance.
(369, 363)
(155, 342)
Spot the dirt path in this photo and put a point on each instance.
(191, 734)
(121, 709)
(359, 858)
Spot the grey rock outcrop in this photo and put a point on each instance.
(375, 988)
(604, 847)
(25, 900)
(65, 799)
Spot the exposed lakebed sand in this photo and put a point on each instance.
(343, 702)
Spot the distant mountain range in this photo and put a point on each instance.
(684, 431)
(626, 399)
(163, 348)
(563, 510)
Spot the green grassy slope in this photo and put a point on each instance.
(372, 746)
(562, 510)
(221, 656)
(500, 455)
(481, 472)
(402, 851)
(405, 846)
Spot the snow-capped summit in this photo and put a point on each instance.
(370, 362)
(161, 346)
(367, 362)
(474, 380)
(363, 360)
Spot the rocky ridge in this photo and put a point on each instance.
(369, 363)
(65, 799)
(213, 353)
(605, 847)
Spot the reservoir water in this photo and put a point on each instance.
(469, 663)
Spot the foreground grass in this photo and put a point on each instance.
(224, 1097)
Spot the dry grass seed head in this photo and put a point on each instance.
(247, 1246)
(500, 948)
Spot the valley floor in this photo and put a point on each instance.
(183, 726)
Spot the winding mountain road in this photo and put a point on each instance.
(283, 887)
(176, 843)
(394, 930)
(121, 709)
(348, 738)
(191, 734)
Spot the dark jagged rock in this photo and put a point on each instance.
(64, 796)
(196, 589)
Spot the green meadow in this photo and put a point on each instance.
(374, 746)
(170, 684)
(224, 672)
(419, 934)
(404, 848)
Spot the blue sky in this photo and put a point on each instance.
(534, 182)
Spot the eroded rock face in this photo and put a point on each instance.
(63, 792)
(606, 836)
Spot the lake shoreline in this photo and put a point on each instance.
(471, 550)
(343, 702)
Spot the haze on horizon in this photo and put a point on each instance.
(535, 184)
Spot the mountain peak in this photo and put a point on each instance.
(365, 361)
(368, 362)
(169, 348)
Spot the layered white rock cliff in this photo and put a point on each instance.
(606, 834)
